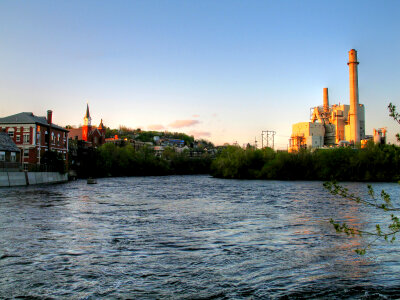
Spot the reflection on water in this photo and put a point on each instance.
(188, 237)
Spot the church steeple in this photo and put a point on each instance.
(101, 126)
(87, 125)
(87, 119)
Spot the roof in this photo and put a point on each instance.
(101, 126)
(6, 143)
(28, 118)
(75, 132)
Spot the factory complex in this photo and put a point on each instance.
(337, 124)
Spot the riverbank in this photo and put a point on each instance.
(8, 179)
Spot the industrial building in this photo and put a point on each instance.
(337, 124)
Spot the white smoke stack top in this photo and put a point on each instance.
(353, 73)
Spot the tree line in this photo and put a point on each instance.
(373, 163)
(113, 160)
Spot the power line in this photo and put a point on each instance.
(268, 137)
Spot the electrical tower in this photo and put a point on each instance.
(268, 138)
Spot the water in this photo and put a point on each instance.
(189, 237)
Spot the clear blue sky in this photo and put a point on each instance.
(226, 70)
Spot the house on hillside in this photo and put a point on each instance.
(35, 135)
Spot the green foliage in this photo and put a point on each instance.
(374, 163)
(147, 136)
(202, 143)
(395, 115)
(55, 161)
(110, 133)
(384, 161)
(382, 203)
(126, 161)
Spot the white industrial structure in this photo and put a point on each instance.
(338, 124)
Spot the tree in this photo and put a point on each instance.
(395, 115)
(382, 202)
(55, 161)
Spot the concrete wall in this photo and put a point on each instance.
(27, 178)
(315, 141)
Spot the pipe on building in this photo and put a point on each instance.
(353, 114)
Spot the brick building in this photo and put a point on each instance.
(91, 135)
(35, 135)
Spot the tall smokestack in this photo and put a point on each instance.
(354, 124)
(326, 100)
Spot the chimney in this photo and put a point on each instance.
(353, 114)
(326, 100)
(49, 117)
(49, 121)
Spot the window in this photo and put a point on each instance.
(26, 138)
(18, 138)
(13, 157)
(58, 138)
(2, 156)
(11, 132)
(26, 153)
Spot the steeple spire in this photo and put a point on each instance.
(87, 119)
(87, 111)
(101, 126)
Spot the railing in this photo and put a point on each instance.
(10, 166)
(39, 168)
(18, 167)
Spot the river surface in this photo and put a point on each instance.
(190, 237)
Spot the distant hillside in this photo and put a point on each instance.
(147, 136)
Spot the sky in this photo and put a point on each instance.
(219, 70)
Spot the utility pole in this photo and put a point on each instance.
(268, 138)
(255, 142)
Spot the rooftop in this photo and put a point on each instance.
(28, 118)
(6, 143)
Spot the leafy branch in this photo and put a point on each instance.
(395, 115)
(382, 202)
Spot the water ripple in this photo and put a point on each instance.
(188, 237)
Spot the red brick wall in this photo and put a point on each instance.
(56, 144)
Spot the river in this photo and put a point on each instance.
(190, 237)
